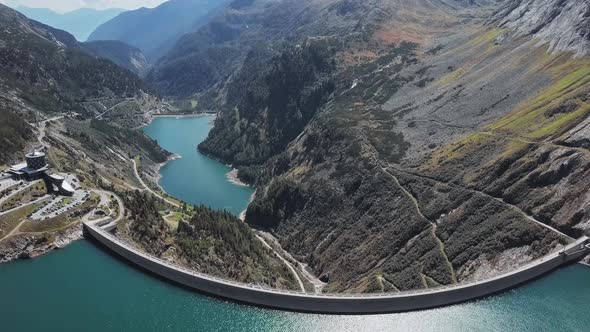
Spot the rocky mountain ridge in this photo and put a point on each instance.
(21, 34)
(79, 23)
(563, 25)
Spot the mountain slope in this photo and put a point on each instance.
(365, 126)
(156, 30)
(79, 23)
(210, 55)
(563, 25)
(212, 242)
(121, 54)
(55, 73)
(82, 111)
(44, 71)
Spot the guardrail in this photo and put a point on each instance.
(340, 303)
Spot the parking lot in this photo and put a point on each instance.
(57, 206)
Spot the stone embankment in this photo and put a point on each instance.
(25, 246)
(340, 303)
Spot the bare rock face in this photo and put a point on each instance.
(563, 25)
(118, 52)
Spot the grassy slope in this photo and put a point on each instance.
(518, 156)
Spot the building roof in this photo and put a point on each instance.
(20, 170)
(35, 154)
(34, 170)
(18, 167)
(57, 177)
(67, 187)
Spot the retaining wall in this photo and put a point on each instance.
(338, 304)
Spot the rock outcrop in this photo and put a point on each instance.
(563, 25)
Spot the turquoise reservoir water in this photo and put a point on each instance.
(84, 288)
(195, 178)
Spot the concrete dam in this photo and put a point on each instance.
(337, 303)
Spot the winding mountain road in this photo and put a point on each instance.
(146, 188)
(98, 117)
(286, 262)
(41, 127)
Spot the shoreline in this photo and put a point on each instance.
(182, 115)
(159, 166)
(25, 247)
(242, 216)
(173, 156)
(232, 177)
(152, 117)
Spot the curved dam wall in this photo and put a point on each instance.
(338, 304)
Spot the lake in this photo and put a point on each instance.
(195, 178)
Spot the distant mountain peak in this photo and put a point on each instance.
(14, 23)
(156, 30)
(80, 22)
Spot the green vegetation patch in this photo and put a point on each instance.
(487, 37)
(390, 145)
(174, 219)
(10, 220)
(541, 117)
(456, 151)
(14, 134)
(26, 196)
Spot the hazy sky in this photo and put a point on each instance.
(69, 5)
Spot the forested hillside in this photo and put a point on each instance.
(291, 87)
(212, 242)
(46, 69)
(121, 54)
